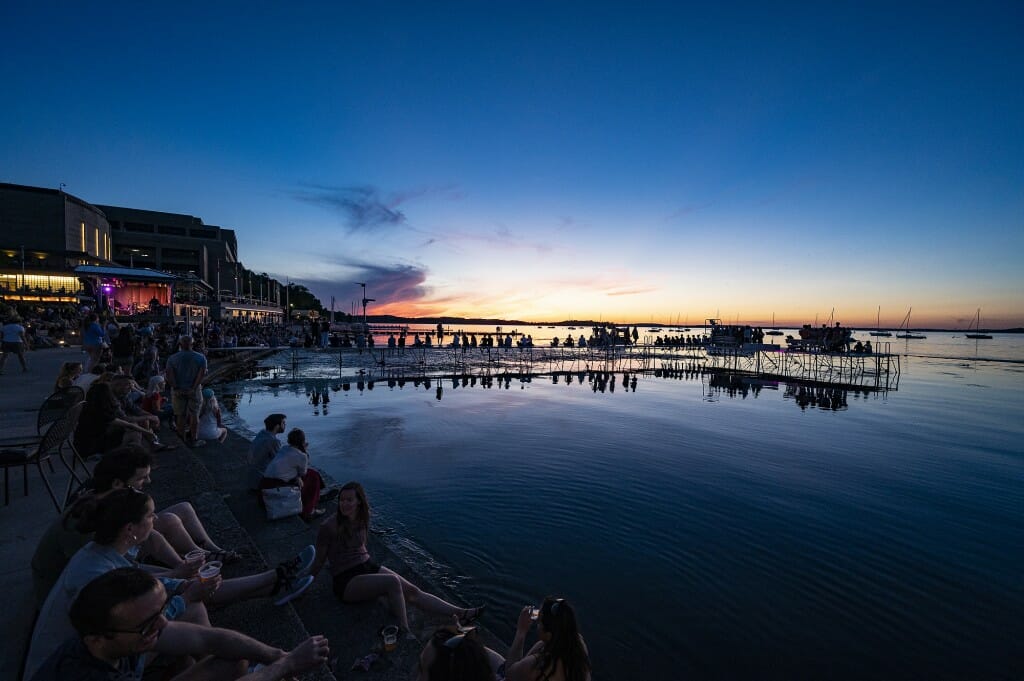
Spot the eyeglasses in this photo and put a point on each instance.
(148, 625)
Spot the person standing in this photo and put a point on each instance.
(184, 373)
(93, 338)
(14, 342)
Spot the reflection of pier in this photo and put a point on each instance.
(875, 371)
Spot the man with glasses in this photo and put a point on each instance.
(120, 626)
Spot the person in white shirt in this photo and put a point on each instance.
(290, 466)
(14, 342)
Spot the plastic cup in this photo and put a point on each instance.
(390, 642)
(195, 556)
(210, 570)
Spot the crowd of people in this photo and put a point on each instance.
(124, 588)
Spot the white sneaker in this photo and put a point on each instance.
(293, 589)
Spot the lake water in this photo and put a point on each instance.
(705, 530)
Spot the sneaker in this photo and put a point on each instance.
(294, 588)
(300, 564)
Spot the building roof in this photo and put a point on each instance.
(131, 273)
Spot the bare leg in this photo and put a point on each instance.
(157, 546)
(195, 613)
(214, 669)
(170, 525)
(240, 588)
(424, 601)
(367, 587)
(190, 520)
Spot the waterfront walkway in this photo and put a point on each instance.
(212, 479)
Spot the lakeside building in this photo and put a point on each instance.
(44, 235)
(56, 247)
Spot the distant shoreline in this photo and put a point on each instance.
(432, 321)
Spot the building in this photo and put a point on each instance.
(170, 242)
(44, 235)
(205, 256)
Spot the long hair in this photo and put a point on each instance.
(297, 439)
(464, 659)
(66, 376)
(100, 396)
(565, 645)
(155, 385)
(362, 521)
(117, 509)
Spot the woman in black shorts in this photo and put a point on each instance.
(342, 542)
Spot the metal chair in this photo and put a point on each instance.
(50, 444)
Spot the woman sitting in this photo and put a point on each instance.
(69, 371)
(103, 426)
(454, 653)
(290, 466)
(153, 400)
(342, 542)
(559, 655)
(211, 427)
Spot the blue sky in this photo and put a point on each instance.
(542, 161)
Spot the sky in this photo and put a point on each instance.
(631, 162)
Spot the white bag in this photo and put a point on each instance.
(282, 502)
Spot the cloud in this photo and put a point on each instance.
(364, 207)
(630, 292)
(387, 285)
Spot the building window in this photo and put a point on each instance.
(83, 237)
(138, 227)
(176, 231)
(203, 233)
(96, 243)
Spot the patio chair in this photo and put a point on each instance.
(50, 445)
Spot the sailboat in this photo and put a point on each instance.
(878, 325)
(774, 331)
(976, 325)
(905, 324)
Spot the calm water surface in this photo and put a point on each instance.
(705, 532)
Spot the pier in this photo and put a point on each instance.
(874, 372)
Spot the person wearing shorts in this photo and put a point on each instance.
(14, 343)
(184, 373)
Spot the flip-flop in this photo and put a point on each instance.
(226, 556)
(473, 617)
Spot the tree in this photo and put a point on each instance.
(301, 298)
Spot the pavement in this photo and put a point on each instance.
(211, 478)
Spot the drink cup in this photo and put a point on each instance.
(390, 642)
(210, 570)
(534, 613)
(195, 557)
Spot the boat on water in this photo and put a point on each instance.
(905, 325)
(774, 331)
(976, 325)
(878, 325)
(654, 330)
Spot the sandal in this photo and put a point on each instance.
(472, 615)
(226, 556)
